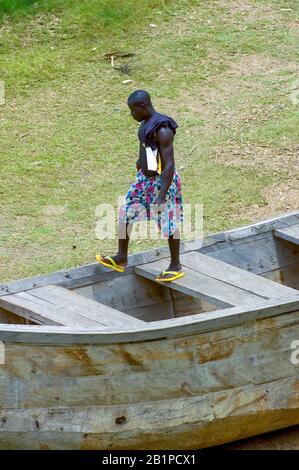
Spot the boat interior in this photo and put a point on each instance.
(245, 266)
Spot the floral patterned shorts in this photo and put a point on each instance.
(139, 201)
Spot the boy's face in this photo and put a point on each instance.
(137, 112)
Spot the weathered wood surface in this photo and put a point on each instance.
(217, 320)
(234, 276)
(53, 305)
(7, 317)
(129, 292)
(263, 226)
(197, 369)
(44, 313)
(288, 275)
(188, 382)
(201, 286)
(95, 311)
(189, 423)
(91, 273)
(190, 392)
(217, 282)
(291, 234)
(138, 297)
(258, 254)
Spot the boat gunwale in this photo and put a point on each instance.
(170, 328)
(94, 272)
(187, 325)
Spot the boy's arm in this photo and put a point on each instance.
(165, 144)
(138, 160)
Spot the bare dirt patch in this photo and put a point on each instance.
(280, 198)
(249, 10)
(267, 159)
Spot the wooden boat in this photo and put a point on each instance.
(95, 359)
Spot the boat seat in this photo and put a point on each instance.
(290, 233)
(54, 305)
(218, 283)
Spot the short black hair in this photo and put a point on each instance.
(138, 97)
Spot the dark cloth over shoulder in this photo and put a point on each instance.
(148, 128)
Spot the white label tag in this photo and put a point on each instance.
(151, 156)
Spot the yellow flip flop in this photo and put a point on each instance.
(112, 264)
(176, 275)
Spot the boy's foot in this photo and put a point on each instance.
(114, 262)
(171, 274)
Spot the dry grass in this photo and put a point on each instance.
(226, 70)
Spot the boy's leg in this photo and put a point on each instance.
(124, 231)
(174, 248)
(132, 210)
(175, 265)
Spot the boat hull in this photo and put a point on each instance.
(186, 391)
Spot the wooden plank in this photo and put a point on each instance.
(234, 276)
(124, 374)
(291, 234)
(288, 275)
(185, 423)
(205, 352)
(263, 226)
(45, 313)
(128, 292)
(9, 393)
(86, 291)
(142, 299)
(151, 313)
(54, 305)
(202, 286)
(87, 309)
(88, 274)
(258, 254)
(277, 310)
(9, 317)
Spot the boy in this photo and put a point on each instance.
(156, 192)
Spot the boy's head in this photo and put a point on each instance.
(140, 103)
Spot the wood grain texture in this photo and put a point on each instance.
(188, 423)
(90, 310)
(53, 305)
(142, 299)
(41, 312)
(33, 361)
(8, 317)
(187, 382)
(176, 327)
(288, 275)
(190, 391)
(198, 284)
(195, 370)
(257, 254)
(235, 276)
(291, 234)
(88, 274)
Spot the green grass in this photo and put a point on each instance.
(68, 142)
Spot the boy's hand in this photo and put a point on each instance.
(159, 204)
(138, 167)
(160, 200)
